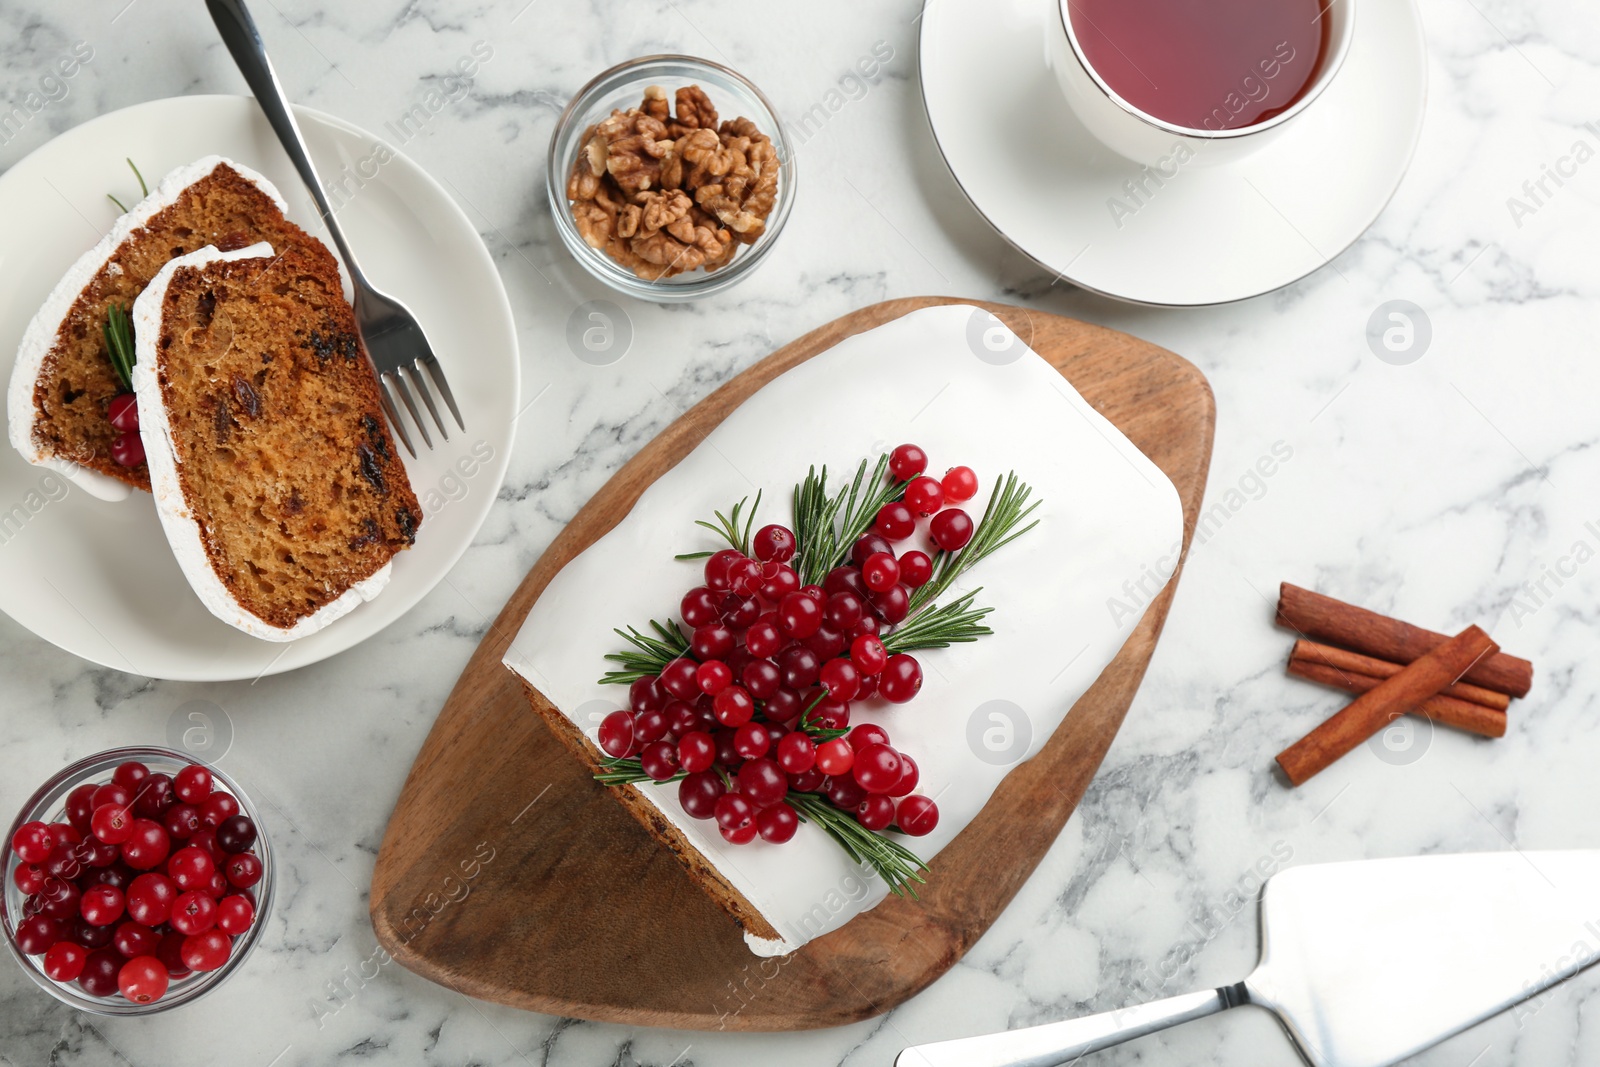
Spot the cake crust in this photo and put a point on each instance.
(274, 473)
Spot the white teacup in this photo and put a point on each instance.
(1143, 138)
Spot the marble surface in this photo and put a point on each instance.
(1456, 488)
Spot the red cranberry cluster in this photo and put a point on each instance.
(123, 414)
(761, 704)
(111, 905)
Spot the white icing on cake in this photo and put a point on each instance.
(179, 522)
(40, 335)
(1108, 517)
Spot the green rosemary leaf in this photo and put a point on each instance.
(120, 205)
(940, 626)
(894, 863)
(690, 556)
(1001, 524)
(144, 190)
(648, 655)
(118, 332)
(729, 528)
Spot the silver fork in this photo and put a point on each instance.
(395, 343)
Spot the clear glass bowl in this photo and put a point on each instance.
(48, 804)
(623, 87)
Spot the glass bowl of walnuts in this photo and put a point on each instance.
(670, 177)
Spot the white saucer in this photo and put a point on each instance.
(99, 579)
(1211, 233)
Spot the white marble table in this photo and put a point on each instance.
(1446, 491)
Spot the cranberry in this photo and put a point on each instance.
(796, 753)
(181, 821)
(154, 796)
(827, 642)
(868, 626)
(150, 898)
(111, 793)
(236, 833)
(713, 677)
(147, 847)
(644, 694)
(811, 781)
(193, 912)
(170, 953)
(875, 812)
(616, 735)
(734, 811)
(733, 706)
(868, 734)
(64, 960)
(751, 741)
(842, 610)
(951, 529)
(130, 773)
(98, 854)
(218, 886)
(699, 607)
(892, 605)
(59, 899)
(718, 579)
(711, 642)
(959, 484)
(843, 793)
(799, 615)
(880, 572)
(784, 706)
(678, 678)
(866, 546)
(915, 569)
(206, 838)
(841, 679)
(243, 870)
(917, 815)
(835, 757)
(778, 823)
(235, 913)
(739, 612)
(763, 782)
(698, 794)
(99, 977)
(659, 760)
(207, 951)
(648, 727)
(29, 878)
(762, 678)
(191, 867)
(123, 412)
(845, 579)
(799, 666)
(877, 769)
(868, 654)
(133, 939)
(681, 718)
(773, 544)
(744, 577)
(727, 753)
(112, 823)
(924, 496)
(101, 905)
(909, 774)
(895, 522)
(64, 861)
(37, 933)
(91, 937)
(143, 979)
(32, 842)
(763, 640)
(907, 461)
(217, 809)
(128, 449)
(80, 806)
(780, 583)
(192, 784)
(902, 678)
(696, 751)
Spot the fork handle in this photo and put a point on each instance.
(244, 42)
(1054, 1044)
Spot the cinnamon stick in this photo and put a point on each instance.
(1355, 663)
(1451, 711)
(1374, 709)
(1322, 618)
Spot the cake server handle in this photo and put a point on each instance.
(249, 52)
(1054, 1044)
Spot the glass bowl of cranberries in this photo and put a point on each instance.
(136, 880)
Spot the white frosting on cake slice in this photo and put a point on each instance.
(1066, 595)
(177, 519)
(40, 336)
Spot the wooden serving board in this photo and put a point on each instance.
(506, 873)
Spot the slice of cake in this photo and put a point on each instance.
(1109, 521)
(272, 468)
(63, 381)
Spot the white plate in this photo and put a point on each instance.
(98, 578)
(1207, 235)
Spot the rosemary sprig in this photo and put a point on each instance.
(118, 331)
(630, 771)
(894, 863)
(144, 190)
(729, 528)
(1008, 508)
(649, 655)
(826, 526)
(940, 626)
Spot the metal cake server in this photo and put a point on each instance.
(394, 339)
(1364, 963)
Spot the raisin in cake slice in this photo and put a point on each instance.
(272, 468)
(63, 378)
(1065, 597)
